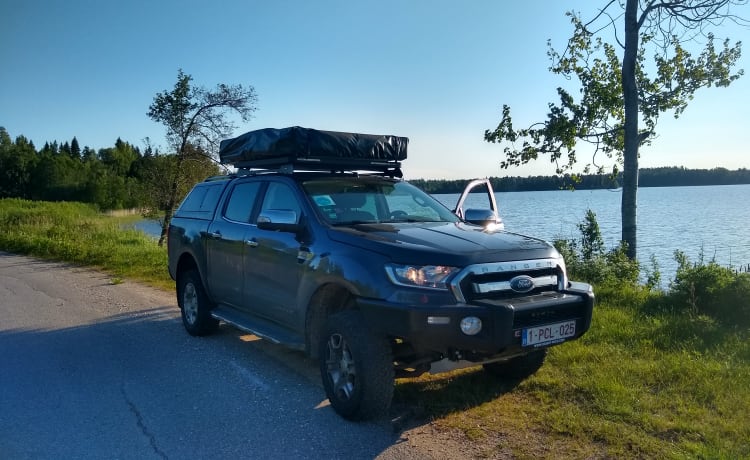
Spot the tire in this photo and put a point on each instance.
(356, 367)
(194, 305)
(519, 367)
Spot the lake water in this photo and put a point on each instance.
(713, 220)
(150, 227)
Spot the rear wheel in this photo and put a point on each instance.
(194, 304)
(519, 367)
(356, 367)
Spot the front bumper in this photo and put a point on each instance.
(502, 321)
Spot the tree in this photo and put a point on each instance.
(197, 118)
(615, 90)
(150, 171)
(88, 154)
(120, 158)
(17, 162)
(75, 149)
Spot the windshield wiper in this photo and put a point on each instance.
(414, 219)
(354, 222)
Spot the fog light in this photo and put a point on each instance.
(471, 325)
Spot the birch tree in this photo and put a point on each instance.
(634, 61)
(196, 119)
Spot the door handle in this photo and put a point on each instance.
(216, 234)
(252, 243)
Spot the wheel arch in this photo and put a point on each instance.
(328, 299)
(185, 263)
(188, 262)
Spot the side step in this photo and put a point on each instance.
(262, 328)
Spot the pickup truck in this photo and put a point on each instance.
(316, 243)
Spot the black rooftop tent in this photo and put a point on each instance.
(310, 148)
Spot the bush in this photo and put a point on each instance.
(710, 289)
(587, 260)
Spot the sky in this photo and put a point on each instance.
(435, 71)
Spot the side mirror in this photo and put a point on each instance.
(483, 217)
(488, 218)
(278, 220)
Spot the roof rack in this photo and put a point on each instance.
(384, 168)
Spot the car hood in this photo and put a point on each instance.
(442, 243)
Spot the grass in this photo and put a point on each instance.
(644, 382)
(78, 233)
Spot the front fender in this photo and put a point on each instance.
(363, 275)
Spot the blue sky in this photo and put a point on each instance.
(435, 71)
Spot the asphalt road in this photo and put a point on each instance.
(92, 369)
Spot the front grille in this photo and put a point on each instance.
(508, 280)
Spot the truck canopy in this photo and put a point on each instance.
(304, 147)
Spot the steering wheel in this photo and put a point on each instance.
(398, 214)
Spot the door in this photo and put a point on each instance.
(483, 210)
(275, 262)
(226, 244)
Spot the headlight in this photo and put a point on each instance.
(427, 276)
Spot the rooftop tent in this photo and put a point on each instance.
(265, 148)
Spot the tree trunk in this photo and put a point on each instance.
(165, 223)
(172, 203)
(630, 155)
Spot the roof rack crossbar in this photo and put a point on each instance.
(387, 168)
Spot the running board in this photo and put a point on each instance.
(262, 328)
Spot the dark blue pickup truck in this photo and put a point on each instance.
(318, 244)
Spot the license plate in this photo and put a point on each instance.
(547, 333)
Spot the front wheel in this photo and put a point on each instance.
(194, 304)
(357, 367)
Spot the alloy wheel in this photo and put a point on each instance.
(340, 367)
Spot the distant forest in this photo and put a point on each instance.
(118, 177)
(124, 176)
(647, 177)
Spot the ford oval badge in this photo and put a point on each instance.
(522, 283)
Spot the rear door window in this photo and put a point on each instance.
(241, 201)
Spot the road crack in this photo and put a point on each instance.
(142, 425)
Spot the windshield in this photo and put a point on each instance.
(358, 200)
